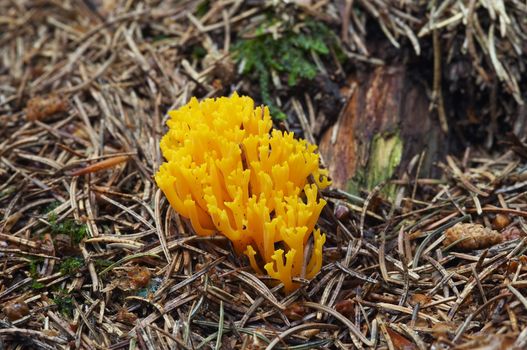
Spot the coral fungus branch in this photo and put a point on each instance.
(229, 173)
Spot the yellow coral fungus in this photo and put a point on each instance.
(227, 172)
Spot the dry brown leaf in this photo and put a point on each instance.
(136, 277)
(471, 237)
(139, 277)
(399, 342)
(418, 298)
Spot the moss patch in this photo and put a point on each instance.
(385, 155)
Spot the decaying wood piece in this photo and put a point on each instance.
(383, 125)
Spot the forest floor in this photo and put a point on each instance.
(93, 257)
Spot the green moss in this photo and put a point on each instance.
(69, 227)
(37, 285)
(50, 207)
(385, 155)
(386, 151)
(198, 52)
(71, 265)
(33, 266)
(64, 303)
(202, 8)
(33, 272)
(102, 263)
(357, 182)
(290, 54)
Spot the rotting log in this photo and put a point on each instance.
(385, 123)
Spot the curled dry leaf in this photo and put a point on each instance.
(295, 311)
(471, 237)
(39, 108)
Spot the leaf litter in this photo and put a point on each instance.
(81, 105)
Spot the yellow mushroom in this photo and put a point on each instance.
(228, 173)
